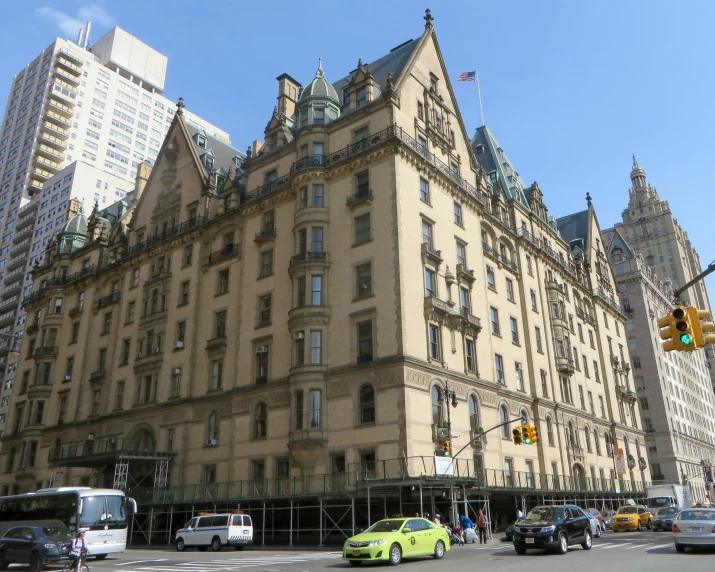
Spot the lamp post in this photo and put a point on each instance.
(446, 395)
(611, 443)
(12, 343)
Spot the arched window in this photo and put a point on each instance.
(144, 440)
(367, 404)
(587, 436)
(503, 418)
(259, 421)
(473, 413)
(573, 436)
(597, 442)
(638, 450)
(436, 406)
(550, 430)
(213, 427)
(525, 416)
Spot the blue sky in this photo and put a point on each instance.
(570, 89)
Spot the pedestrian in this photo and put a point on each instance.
(519, 514)
(417, 515)
(438, 520)
(78, 546)
(482, 523)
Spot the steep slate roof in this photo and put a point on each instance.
(222, 151)
(612, 238)
(118, 208)
(493, 158)
(394, 63)
(574, 227)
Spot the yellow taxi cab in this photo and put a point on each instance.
(631, 517)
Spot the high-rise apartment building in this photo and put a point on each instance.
(102, 113)
(651, 230)
(674, 392)
(314, 322)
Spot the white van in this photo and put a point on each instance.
(216, 531)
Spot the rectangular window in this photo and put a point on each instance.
(499, 366)
(590, 403)
(262, 364)
(131, 309)
(430, 283)
(581, 398)
(595, 372)
(317, 239)
(266, 263)
(464, 301)
(491, 283)
(603, 409)
(529, 268)
(298, 413)
(585, 366)
(590, 339)
(424, 190)
(299, 342)
(363, 277)
(519, 370)
(184, 293)
(461, 254)
(318, 195)
(458, 214)
(188, 254)
(264, 309)
(420, 110)
(316, 347)
(316, 290)
(181, 332)
(580, 332)
(96, 400)
(537, 335)
(314, 400)
(300, 292)
(119, 397)
(362, 228)
(62, 414)
(533, 301)
(222, 282)
(427, 234)
(544, 383)
(216, 375)
(514, 330)
(434, 342)
(126, 352)
(470, 355)
(362, 185)
(220, 324)
(494, 318)
(364, 342)
(510, 289)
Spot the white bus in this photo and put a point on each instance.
(103, 512)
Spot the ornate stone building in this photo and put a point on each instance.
(281, 325)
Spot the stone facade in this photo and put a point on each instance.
(292, 315)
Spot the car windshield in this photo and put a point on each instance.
(53, 530)
(386, 526)
(697, 515)
(541, 513)
(628, 510)
(668, 510)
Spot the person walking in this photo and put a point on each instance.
(482, 524)
(519, 514)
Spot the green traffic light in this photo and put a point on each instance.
(687, 339)
(527, 441)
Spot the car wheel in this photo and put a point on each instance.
(3, 563)
(216, 544)
(37, 561)
(180, 545)
(638, 526)
(520, 549)
(587, 541)
(563, 544)
(355, 562)
(680, 548)
(203, 548)
(239, 547)
(598, 532)
(603, 528)
(395, 554)
(439, 550)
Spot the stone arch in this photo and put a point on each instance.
(475, 411)
(142, 438)
(486, 228)
(504, 415)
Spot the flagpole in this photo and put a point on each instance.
(479, 94)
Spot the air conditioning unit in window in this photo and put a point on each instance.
(212, 442)
(176, 371)
(298, 336)
(157, 350)
(261, 349)
(68, 377)
(178, 345)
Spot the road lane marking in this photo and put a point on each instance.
(639, 546)
(661, 546)
(617, 545)
(599, 545)
(140, 561)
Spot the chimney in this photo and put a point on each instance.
(79, 37)
(86, 36)
(288, 91)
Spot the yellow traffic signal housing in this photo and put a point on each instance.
(677, 330)
(525, 435)
(699, 328)
(447, 448)
(533, 435)
(516, 432)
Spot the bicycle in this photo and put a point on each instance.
(81, 565)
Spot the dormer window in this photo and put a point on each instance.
(273, 143)
(319, 116)
(361, 97)
(208, 161)
(201, 141)
(433, 82)
(480, 149)
(346, 97)
(237, 161)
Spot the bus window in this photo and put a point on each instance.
(115, 511)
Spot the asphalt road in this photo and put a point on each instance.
(633, 551)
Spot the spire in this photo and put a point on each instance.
(428, 19)
(638, 176)
(180, 106)
(635, 162)
(320, 73)
(588, 199)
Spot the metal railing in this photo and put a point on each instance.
(305, 256)
(109, 299)
(161, 237)
(226, 252)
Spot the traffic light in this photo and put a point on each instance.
(516, 432)
(699, 328)
(447, 448)
(677, 329)
(525, 435)
(533, 435)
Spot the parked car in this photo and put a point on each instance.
(553, 527)
(631, 517)
(663, 518)
(599, 517)
(694, 527)
(35, 545)
(607, 516)
(396, 538)
(595, 525)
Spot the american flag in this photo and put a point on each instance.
(467, 76)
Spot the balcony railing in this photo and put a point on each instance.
(164, 236)
(60, 281)
(230, 251)
(308, 256)
(267, 233)
(359, 197)
(109, 299)
(45, 351)
(309, 162)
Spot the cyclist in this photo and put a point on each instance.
(79, 546)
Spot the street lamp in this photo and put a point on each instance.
(611, 444)
(446, 394)
(11, 343)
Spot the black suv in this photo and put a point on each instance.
(552, 528)
(35, 545)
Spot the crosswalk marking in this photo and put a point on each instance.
(639, 546)
(662, 546)
(618, 545)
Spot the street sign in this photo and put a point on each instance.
(617, 484)
(444, 466)
(620, 457)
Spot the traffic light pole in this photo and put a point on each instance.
(698, 278)
(479, 437)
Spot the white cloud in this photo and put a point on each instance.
(70, 25)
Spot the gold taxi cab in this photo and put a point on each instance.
(631, 517)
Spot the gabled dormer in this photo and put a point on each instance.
(208, 159)
(201, 139)
(278, 131)
(360, 89)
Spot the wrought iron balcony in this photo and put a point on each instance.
(266, 233)
(109, 299)
(45, 352)
(230, 251)
(359, 198)
(309, 162)
(309, 256)
(164, 236)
